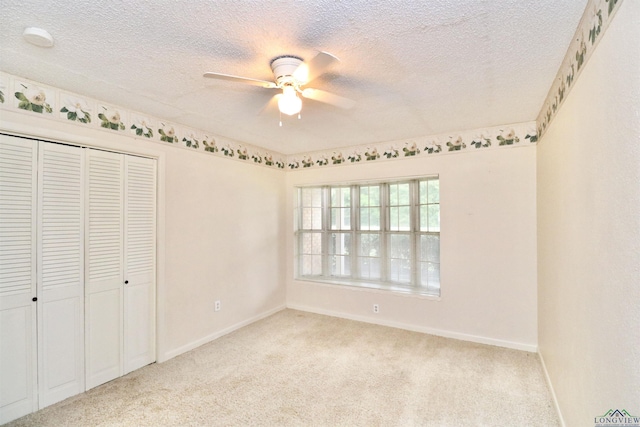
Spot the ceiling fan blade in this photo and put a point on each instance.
(328, 98)
(254, 82)
(320, 63)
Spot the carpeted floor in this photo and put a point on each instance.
(302, 369)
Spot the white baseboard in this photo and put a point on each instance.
(553, 392)
(439, 332)
(194, 344)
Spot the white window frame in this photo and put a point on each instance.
(354, 277)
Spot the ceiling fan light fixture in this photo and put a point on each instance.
(289, 103)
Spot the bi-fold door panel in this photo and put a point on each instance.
(139, 262)
(120, 265)
(103, 263)
(77, 231)
(18, 195)
(60, 273)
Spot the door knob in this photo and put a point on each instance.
(126, 282)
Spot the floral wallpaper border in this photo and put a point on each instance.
(23, 95)
(34, 98)
(454, 142)
(595, 20)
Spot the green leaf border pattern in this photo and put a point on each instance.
(111, 118)
(76, 109)
(593, 24)
(33, 97)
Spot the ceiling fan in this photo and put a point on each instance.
(291, 75)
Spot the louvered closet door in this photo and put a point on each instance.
(120, 265)
(104, 267)
(60, 273)
(139, 254)
(18, 193)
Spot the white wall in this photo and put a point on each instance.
(220, 227)
(224, 242)
(589, 232)
(488, 249)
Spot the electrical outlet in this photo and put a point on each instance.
(376, 308)
(217, 306)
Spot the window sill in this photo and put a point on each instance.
(369, 286)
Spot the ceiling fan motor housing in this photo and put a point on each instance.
(283, 68)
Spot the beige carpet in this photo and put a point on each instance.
(302, 369)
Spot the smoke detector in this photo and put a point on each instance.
(38, 37)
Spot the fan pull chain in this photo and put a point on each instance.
(299, 117)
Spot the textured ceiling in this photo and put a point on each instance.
(414, 68)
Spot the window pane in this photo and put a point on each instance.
(374, 219)
(403, 194)
(335, 197)
(393, 219)
(370, 268)
(429, 248)
(375, 268)
(423, 192)
(340, 265)
(316, 268)
(368, 254)
(433, 191)
(434, 217)
(311, 197)
(393, 194)
(316, 218)
(340, 244)
(340, 218)
(340, 196)
(364, 196)
(430, 276)
(346, 197)
(370, 210)
(346, 219)
(374, 195)
(316, 197)
(311, 259)
(311, 254)
(430, 207)
(306, 265)
(306, 218)
(312, 243)
(400, 246)
(311, 208)
(404, 218)
(364, 218)
(306, 196)
(424, 218)
(400, 255)
(340, 208)
(433, 271)
(339, 249)
(335, 218)
(369, 245)
(311, 265)
(399, 207)
(400, 271)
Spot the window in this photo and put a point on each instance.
(384, 235)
